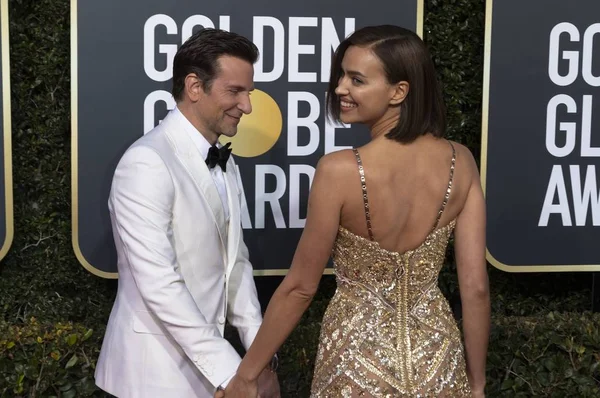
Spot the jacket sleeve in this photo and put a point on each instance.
(141, 199)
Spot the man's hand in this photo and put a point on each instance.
(268, 384)
(220, 394)
(239, 388)
(478, 394)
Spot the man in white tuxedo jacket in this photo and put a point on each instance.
(175, 211)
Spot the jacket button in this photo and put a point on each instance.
(221, 319)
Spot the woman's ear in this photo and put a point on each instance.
(400, 92)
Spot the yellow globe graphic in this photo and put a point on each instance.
(258, 131)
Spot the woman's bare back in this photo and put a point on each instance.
(406, 185)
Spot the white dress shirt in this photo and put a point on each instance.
(216, 172)
(203, 146)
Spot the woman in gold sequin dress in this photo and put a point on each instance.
(385, 212)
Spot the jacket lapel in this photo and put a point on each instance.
(233, 199)
(187, 153)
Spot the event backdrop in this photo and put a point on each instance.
(541, 135)
(122, 55)
(6, 198)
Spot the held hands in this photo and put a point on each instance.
(239, 388)
(267, 386)
(478, 394)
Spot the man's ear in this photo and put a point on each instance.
(194, 87)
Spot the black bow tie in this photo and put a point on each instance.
(218, 156)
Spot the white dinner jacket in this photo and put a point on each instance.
(182, 271)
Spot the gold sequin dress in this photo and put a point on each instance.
(388, 331)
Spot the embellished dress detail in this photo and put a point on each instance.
(388, 331)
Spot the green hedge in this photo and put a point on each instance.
(543, 343)
(47, 360)
(556, 355)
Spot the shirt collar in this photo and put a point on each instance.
(197, 138)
